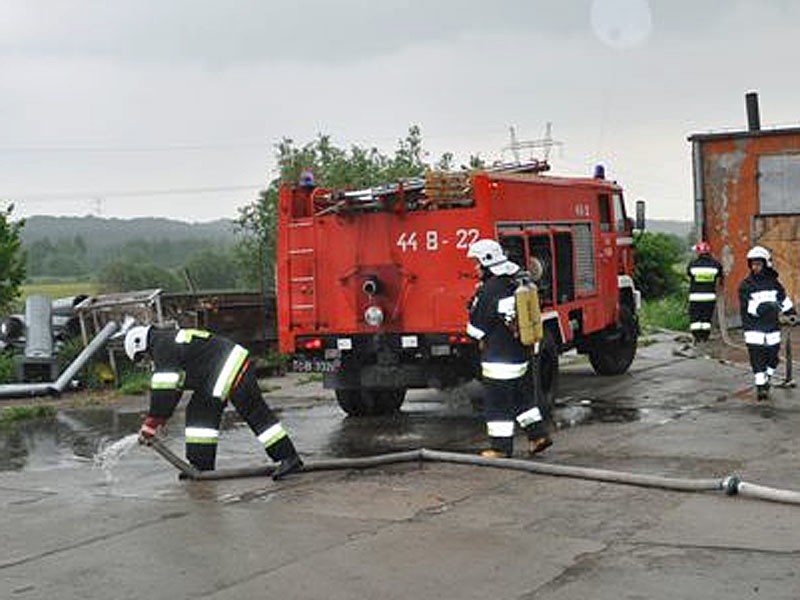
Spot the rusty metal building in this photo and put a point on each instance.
(747, 192)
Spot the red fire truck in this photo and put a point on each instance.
(373, 284)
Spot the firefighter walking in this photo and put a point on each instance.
(705, 276)
(217, 370)
(762, 299)
(505, 361)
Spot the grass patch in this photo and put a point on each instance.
(135, 383)
(59, 289)
(312, 378)
(13, 414)
(671, 313)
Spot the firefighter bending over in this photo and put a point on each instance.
(761, 300)
(510, 395)
(216, 370)
(705, 275)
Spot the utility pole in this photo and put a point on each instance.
(546, 143)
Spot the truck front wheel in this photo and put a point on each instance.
(365, 402)
(614, 354)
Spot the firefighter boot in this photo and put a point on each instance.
(539, 444)
(492, 453)
(762, 392)
(500, 447)
(289, 465)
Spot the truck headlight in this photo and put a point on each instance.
(373, 316)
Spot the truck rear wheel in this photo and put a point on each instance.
(615, 354)
(364, 403)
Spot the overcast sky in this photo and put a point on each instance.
(172, 108)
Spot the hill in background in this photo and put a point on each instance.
(679, 228)
(102, 232)
(79, 246)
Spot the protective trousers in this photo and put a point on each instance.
(764, 361)
(510, 401)
(700, 316)
(204, 413)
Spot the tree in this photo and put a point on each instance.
(212, 269)
(127, 275)
(334, 167)
(655, 258)
(12, 259)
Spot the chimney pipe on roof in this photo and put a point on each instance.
(753, 118)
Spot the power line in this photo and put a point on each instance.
(94, 195)
(128, 149)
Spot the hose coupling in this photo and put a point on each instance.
(731, 485)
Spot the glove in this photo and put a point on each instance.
(150, 427)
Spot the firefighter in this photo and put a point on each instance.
(705, 275)
(216, 370)
(504, 360)
(761, 300)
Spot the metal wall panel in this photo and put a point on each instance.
(779, 184)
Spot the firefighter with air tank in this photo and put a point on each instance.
(502, 317)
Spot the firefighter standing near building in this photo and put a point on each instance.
(705, 275)
(216, 370)
(505, 361)
(761, 300)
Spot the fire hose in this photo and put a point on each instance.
(732, 485)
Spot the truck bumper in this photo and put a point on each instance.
(395, 377)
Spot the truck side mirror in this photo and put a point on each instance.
(640, 215)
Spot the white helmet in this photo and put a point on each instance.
(490, 255)
(136, 340)
(760, 253)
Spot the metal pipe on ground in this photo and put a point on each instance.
(731, 485)
(22, 390)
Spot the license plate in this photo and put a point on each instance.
(300, 365)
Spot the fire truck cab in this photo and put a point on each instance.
(373, 285)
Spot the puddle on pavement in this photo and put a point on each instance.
(96, 437)
(571, 412)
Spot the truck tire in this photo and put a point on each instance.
(615, 354)
(365, 403)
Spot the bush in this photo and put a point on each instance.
(655, 256)
(670, 313)
(6, 367)
(95, 374)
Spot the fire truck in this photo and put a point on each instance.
(373, 285)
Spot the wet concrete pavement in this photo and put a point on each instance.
(71, 529)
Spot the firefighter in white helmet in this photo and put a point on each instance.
(762, 299)
(504, 360)
(217, 370)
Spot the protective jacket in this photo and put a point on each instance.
(704, 273)
(491, 322)
(191, 359)
(761, 300)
